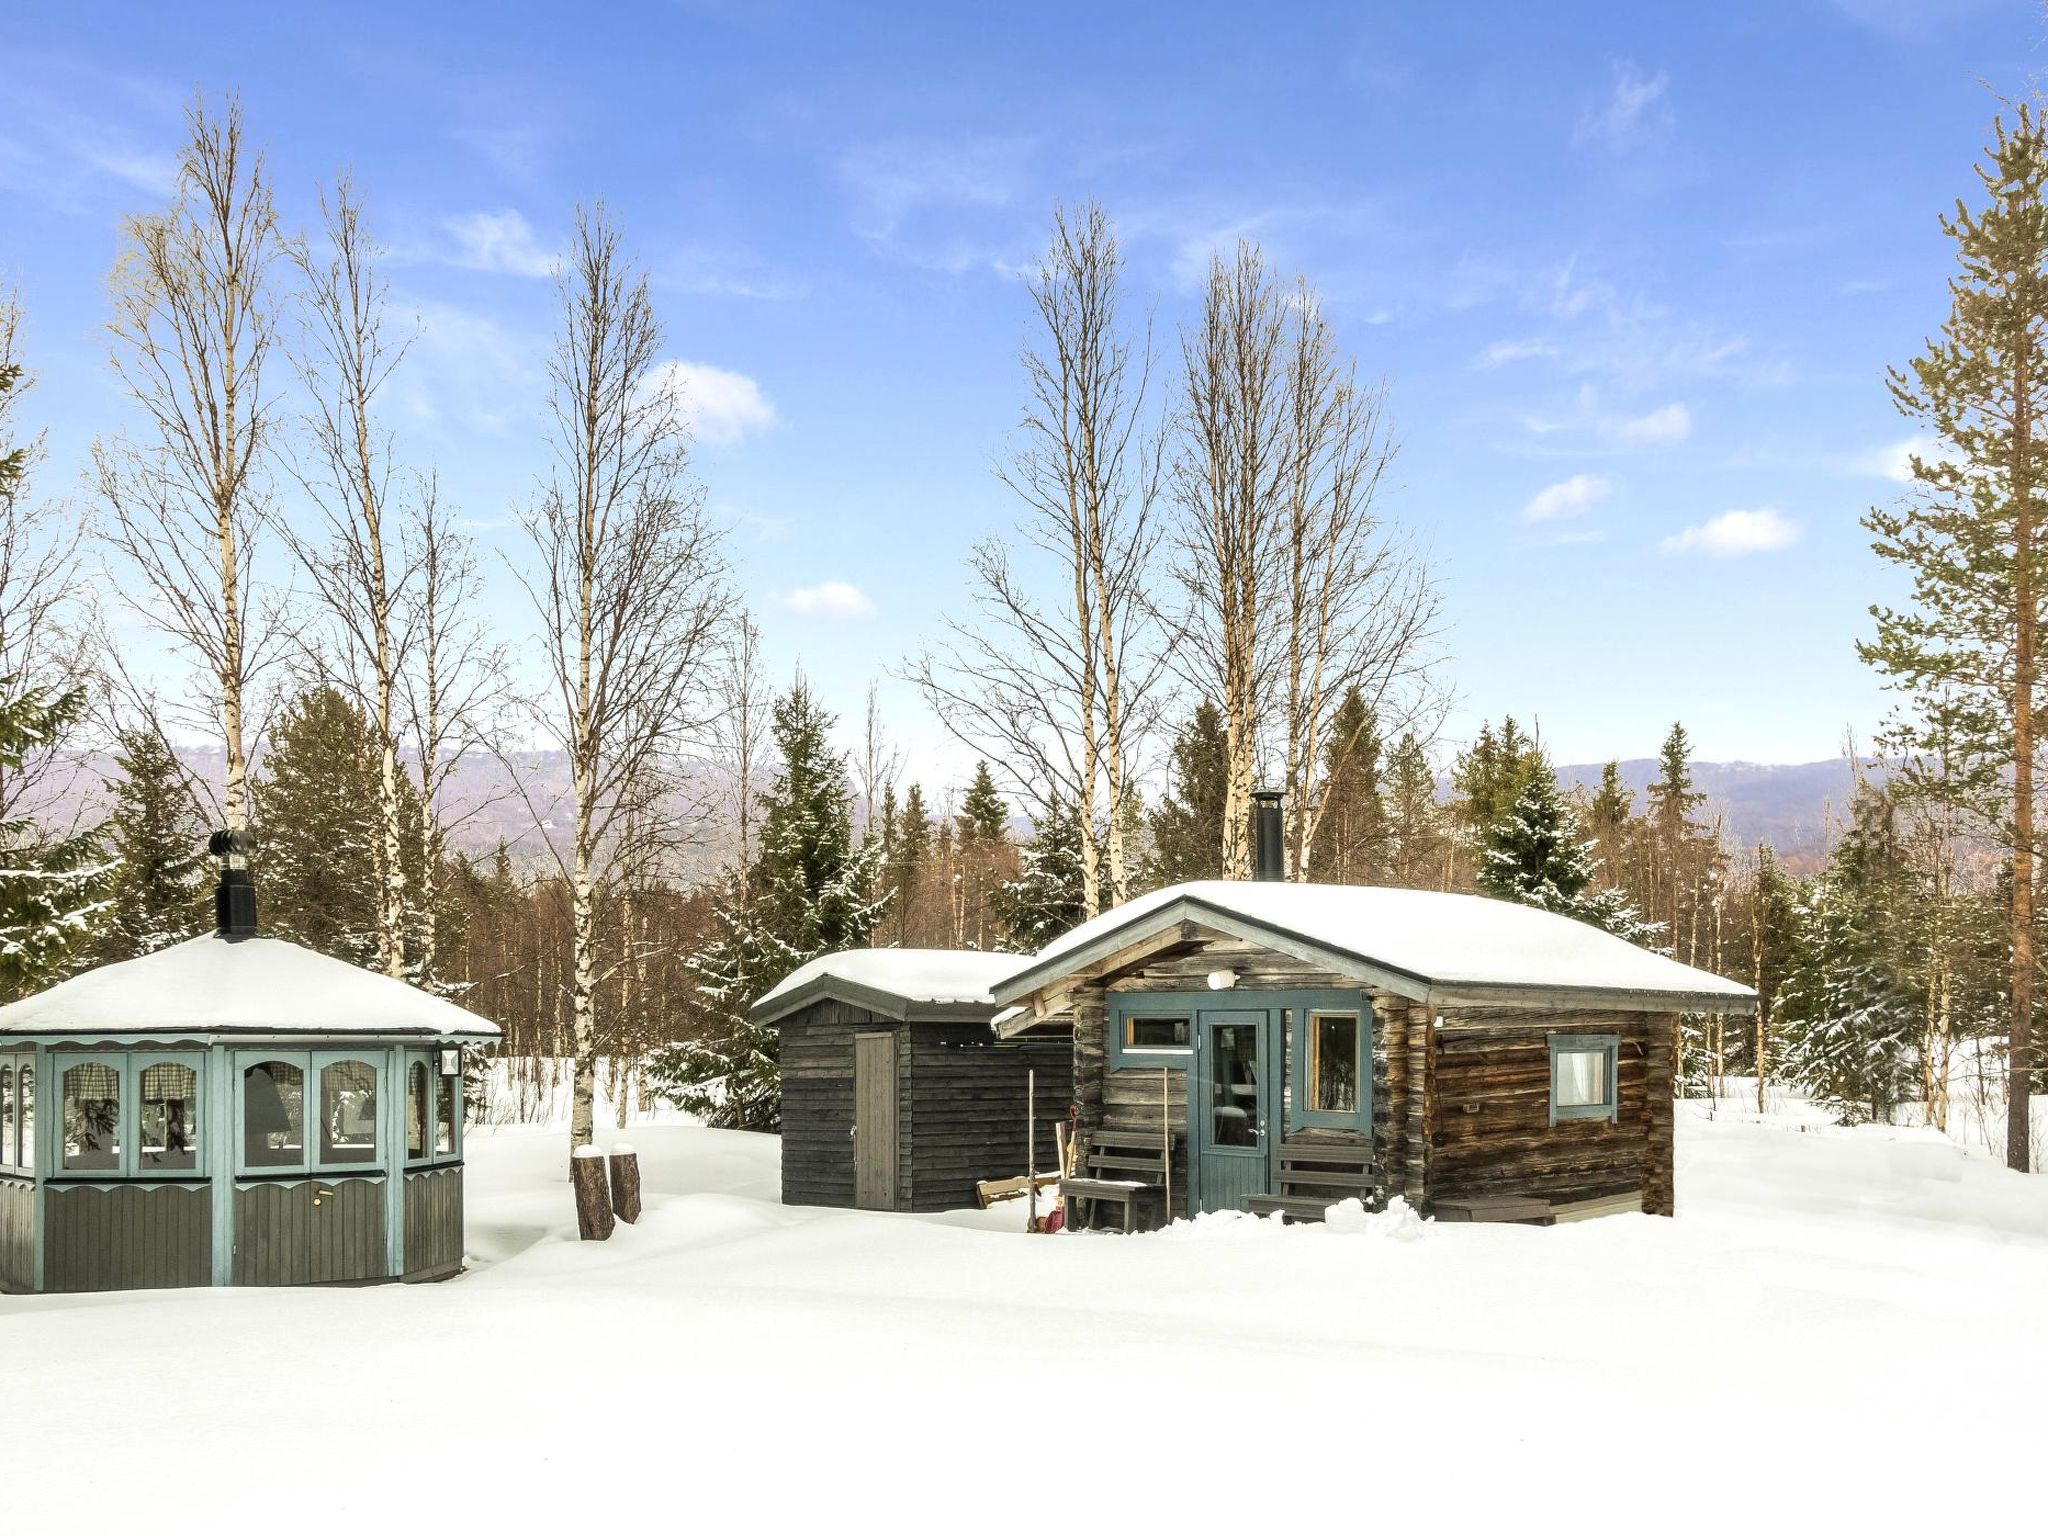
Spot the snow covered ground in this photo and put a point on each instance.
(1842, 1329)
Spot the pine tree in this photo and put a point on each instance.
(986, 856)
(1773, 953)
(1045, 899)
(1350, 839)
(317, 829)
(159, 889)
(1491, 774)
(983, 815)
(905, 873)
(810, 893)
(1974, 539)
(53, 891)
(1536, 855)
(1418, 846)
(1187, 826)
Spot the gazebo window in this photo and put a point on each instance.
(274, 1115)
(167, 1138)
(348, 1112)
(444, 1118)
(92, 1117)
(416, 1110)
(7, 1113)
(25, 1117)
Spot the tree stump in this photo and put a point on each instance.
(625, 1168)
(593, 1203)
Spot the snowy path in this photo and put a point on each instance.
(1842, 1328)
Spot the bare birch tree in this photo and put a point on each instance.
(1059, 692)
(630, 588)
(741, 733)
(192, 331)
(345, 362)
(1231, 481)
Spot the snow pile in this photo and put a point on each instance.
(1440, 937)
(1347, 1218)
(1398, 1222)
(928, 976)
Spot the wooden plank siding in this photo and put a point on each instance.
(964, 1120)
(816, 1058)
(283, 1238)
(17, 1236)
(879, 1121)
(127, 1237)
(433, 1223)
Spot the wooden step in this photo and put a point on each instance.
(1293, 1207)
(1514, 1208)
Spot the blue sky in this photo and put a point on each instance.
(1632, 273)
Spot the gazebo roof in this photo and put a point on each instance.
(243, 986)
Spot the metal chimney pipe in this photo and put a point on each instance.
(234, 899)
(1269, 857)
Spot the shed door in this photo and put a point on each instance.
(874, 1122)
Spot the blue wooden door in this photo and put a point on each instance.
(1231, 1107)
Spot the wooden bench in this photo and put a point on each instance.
(1315, 1175)
(1516, 1208)
(1126, 1170)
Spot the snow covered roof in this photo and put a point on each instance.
(216, 986)
(1432, 946)
(908, 984)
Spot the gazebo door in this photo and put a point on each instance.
(1231, 1106)
(310, 1195)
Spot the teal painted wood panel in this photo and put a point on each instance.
(310, 1232)
(433, 1223)
(126, 1237)
(17, 1235)
(1236, 1061)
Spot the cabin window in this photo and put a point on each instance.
(167, 1133)
(1146, 1033)
(1582, 1077)
(1333, 1063)
(92, 1117)
(348, 1112)
(274, 1115)
(416, 1110)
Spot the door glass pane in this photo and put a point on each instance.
(167, 1130)
(25, 1118)
(92, 1116)
(444, 1116)
(1581, 1079)
(348, 1112)
(274, 1115)
(1233, 1085)
(416, 1110)
(1333, 1062)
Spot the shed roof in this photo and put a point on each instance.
(905, 984)
(1432, 946)
(245, 986)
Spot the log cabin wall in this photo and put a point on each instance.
(1490, 1132)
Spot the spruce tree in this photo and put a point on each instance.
(907, 861)
(983, 815)
(1350, 839)
(317, 828)
(1417, 843)
(1045, 899)
(1187, 826)
(1536, 855)
(1973, 538)
(810, 893)
(53, 891)
(160, 887)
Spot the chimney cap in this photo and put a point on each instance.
(1268, 796)
(231, 843)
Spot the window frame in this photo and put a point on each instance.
(1302, 1008)
(1610, 1047)
(128, 1064)
(240, 1061)
(10, 1112)
(430, 1057)
(316, 1104)
(1126, 1006)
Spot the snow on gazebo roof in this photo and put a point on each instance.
(905, 984)
(244, 986)
(1433, 946)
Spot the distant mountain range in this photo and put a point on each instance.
(1796, 807)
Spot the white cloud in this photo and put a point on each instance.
(1894, 461)
(1567, 498)
(830, 600)
(498, 242)
(1635, 107)
(721, 406)
(1735, 533)
(1667, 424)
(1502, 352)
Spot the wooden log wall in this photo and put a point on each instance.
(17, 1235)
(127, 1237)
(817, 1102)
(966, 1112)
(433, 1223)
(1491, 1132)
(1659, 1195)
(282, 1237)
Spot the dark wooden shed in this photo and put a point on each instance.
(897, 1094)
